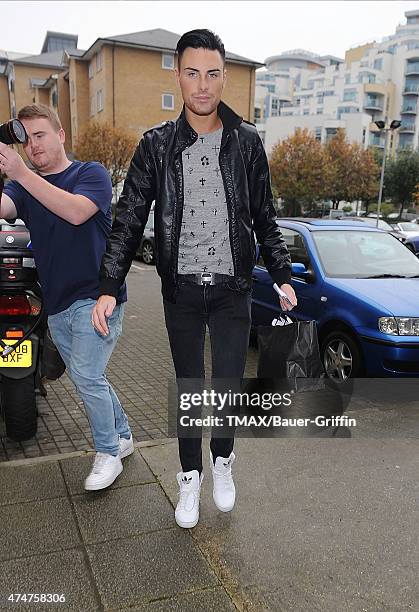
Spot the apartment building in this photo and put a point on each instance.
(126, 80)
(375, 81)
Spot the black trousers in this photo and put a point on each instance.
(227, 313)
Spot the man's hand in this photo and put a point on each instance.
(11, 163)
(286, 288)
(102, 310)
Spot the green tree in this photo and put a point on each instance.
(298, 171)
(401, 178)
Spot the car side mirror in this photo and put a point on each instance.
(300, 271)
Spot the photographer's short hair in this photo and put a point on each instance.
(200, 39)
(35, 111)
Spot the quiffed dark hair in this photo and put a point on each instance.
(200, 39)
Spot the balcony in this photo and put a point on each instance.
(412, 90)
(412, 68)
(373, 104)
(407, 128)
(409, 109)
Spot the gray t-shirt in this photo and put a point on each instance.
(204, 244)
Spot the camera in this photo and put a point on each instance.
(13, 132)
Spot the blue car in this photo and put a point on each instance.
(412, 243)
(361, 285)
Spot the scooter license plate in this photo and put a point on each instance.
(20, 358)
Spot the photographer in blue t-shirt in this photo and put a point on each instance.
(67, 209)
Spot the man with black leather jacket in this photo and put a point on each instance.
(209, 177)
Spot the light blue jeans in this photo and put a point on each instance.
(86, 354)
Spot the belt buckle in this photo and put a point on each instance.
(206, 278)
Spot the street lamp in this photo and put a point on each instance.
(383, 127)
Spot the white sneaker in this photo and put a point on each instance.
(106, 468)
(224, 491)
(187, 509)
(126, 447)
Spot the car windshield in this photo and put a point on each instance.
(358, 254)
(409, 227)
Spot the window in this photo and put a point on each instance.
(54, 99)
(257, 114)
(91, 69)
(99, 60)
(167, 61)
(347, 79)
(318, 134)
(320, 111)
(168, 101)
(306, 111)
(349, 95)
(100, 100)
(296, 247)
(92, 106)
(378, 64)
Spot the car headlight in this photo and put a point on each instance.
(399, 326)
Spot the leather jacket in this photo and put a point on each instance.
(156, 173)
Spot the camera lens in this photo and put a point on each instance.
(13, 132)
(18, 131)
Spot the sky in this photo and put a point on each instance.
(255, 29)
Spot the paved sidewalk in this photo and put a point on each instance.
(117, 549)
(319, 525)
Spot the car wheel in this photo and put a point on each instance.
(147, 252)
(341, 356)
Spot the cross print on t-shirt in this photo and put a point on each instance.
(216, 193)
(217, 171)
(192, 212)
(188, 155)
(215, 148)
(203, 202)
(203, 223)
(202, 139)
(203, 181)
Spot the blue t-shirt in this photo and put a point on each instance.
(67, 256)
